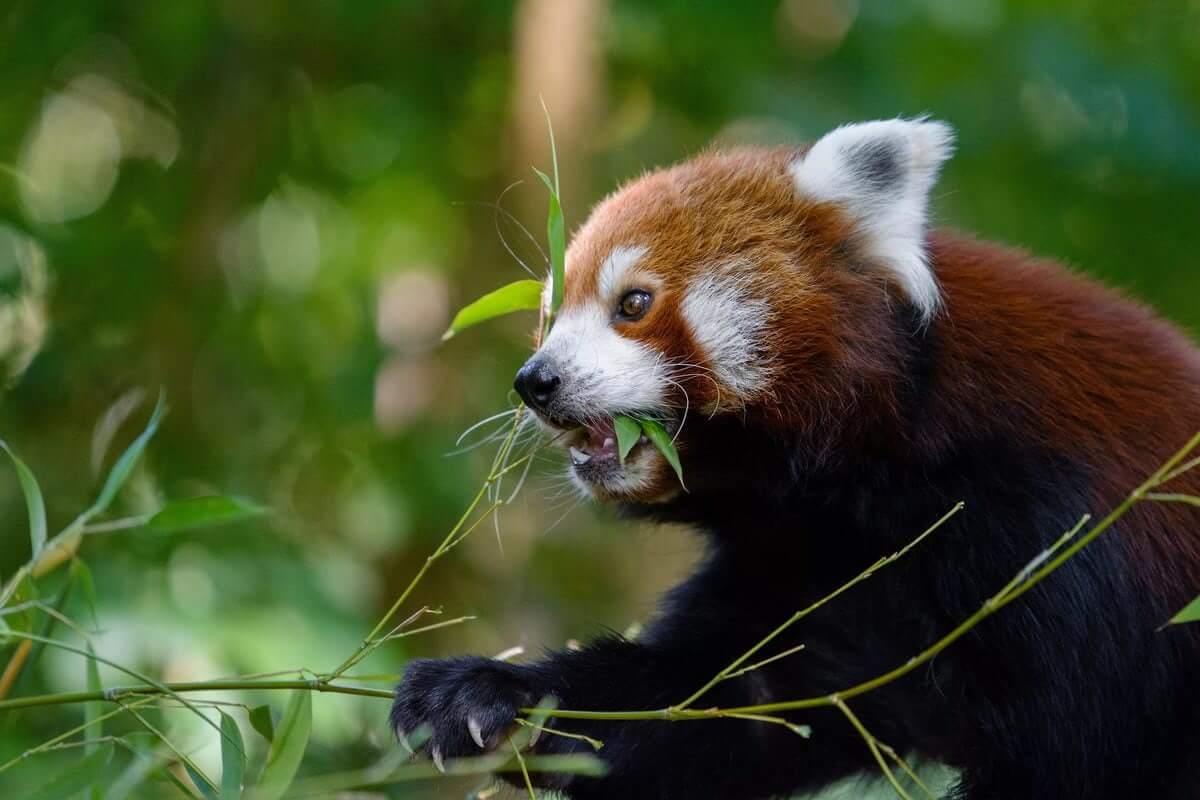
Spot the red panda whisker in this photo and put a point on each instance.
(716, 385)
(686, 407)
(506, 413)
(499, 210)
(499, 433)
(529, 456)
(570, 507)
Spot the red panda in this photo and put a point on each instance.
(837, 376)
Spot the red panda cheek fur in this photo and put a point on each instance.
(741, 208)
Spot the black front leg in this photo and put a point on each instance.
(469, 704)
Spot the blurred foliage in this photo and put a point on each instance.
(269, 209)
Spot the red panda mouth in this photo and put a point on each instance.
(594, 448)
(595, 442)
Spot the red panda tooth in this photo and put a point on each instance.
(578, 457)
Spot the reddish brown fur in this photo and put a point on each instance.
(1044, 356)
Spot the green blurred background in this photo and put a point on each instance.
(270, 210)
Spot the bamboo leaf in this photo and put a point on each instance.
(233, 759)
(1189, 613)
(205, 783)
(658, 435)
(34, 505)
(128, 460)
(202, 512)
(91, 770)
(553, 144)
(629, 430)
(556, 239)
(555, 229)
(261, 721)
(110, 422)
(206, 790)
(288, 748)
(186, 789)
(520, 295)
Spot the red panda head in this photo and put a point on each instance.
(753, 289)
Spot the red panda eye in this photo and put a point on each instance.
(633, 305)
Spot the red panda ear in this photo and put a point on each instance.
(882, 172)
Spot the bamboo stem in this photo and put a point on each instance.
(113, 694)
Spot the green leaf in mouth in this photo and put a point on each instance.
(630, 429)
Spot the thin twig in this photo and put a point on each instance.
(78, 729)
(494, 474)
(192, 766)
(524, 769)
(803, 731)
(425, 628)
(764, 662)
(122, 524)
(872, 744)
(595, 744)
(170, 689)
(804, 612)
(908, 770)
(1174, 497)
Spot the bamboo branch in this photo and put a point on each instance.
(116, 693)
(804, 612)
(500, 467)
(872, 744)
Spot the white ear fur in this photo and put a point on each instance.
(882, 172)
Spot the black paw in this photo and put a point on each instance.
(467, 704)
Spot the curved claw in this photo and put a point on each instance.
(436, 755)
(403, 739)
(476, 732)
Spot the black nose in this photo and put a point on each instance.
(536, 383)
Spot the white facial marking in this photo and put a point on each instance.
(614, 269)
(602, 371)
(605, 373)
(882, 173)
(728, 322)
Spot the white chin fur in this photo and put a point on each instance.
(630, 480)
